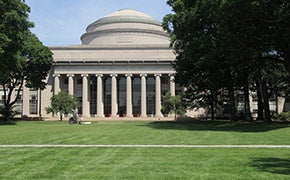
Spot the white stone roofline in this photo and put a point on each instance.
(99, 62)
(116, 47)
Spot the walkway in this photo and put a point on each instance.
(138, 146)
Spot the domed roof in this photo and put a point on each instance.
(125, 26)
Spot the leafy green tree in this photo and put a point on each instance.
(230, 45)
(254, 29)
(62, 103)
(195, 36)
(275, 16)
(24, 60)
(172, 104)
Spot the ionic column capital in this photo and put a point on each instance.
(99, 75)
(158, 74)
(128, 75)
(114, 75)
(85, 75)
(56, 75)
(172, 77)
(143, 75)
(70, 75)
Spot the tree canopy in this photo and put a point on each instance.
(172, 104)
(228, 46)
(24, 60)
(62, 103)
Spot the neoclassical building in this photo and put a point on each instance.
(121, 69)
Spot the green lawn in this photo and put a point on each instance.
(220, 132)
(144, 163)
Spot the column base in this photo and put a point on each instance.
(159, 115)
(85, 116)
(100, 116)
(143, 116)
(129, 115)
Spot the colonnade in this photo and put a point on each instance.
(114, 101)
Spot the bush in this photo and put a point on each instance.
(284, 116)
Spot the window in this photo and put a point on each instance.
(79, 81)
(33, 100)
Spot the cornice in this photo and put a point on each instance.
(121, 19)
(113, 62)
(119, 47)
(109, 32)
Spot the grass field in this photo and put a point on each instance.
(145, 163)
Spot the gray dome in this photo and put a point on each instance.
(125, 27)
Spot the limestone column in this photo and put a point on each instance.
(143, 95)
(158, 95)
(25, 101)
(70, 84)
(129, 95)
(100, 104)
(85, 102)
(56, 83)
(114, 103)
(172, 84)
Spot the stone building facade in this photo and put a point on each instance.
(122, 69)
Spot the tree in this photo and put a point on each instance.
(196, 39)
(62, 103)
(172, 104)
(230, 45)
(24, 60)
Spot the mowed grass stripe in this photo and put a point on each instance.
(157, 162)
(144, 163)
(146, 133)
(137, 146)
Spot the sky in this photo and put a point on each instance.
(62, 22)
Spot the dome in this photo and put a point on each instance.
(125, 27)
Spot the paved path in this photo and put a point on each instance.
(138, 146)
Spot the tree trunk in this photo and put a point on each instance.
(212, 112)
(267, 114)
(233, 109)
(60, 116)
(247, 111)
(260, 102)
(212, 108)
(175, 113)
(287, 61)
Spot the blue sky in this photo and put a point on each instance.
(62, 22)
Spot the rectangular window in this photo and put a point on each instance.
(65, 80)
(33, 101)
(79, 81)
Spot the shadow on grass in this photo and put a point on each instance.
(219, 125)
(272, 165)
(2, 123)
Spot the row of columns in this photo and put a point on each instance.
(114, 102)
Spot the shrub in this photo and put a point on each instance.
(284, 116)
